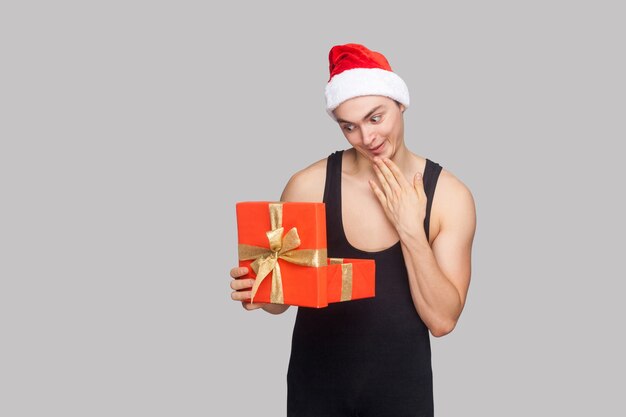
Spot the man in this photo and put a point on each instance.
(372, 356)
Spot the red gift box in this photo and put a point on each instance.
(351, 279)
(283, 244)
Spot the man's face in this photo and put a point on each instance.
(373, 125)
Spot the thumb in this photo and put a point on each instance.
(418, 184)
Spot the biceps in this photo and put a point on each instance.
(453, 253)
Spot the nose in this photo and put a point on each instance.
(367, 135)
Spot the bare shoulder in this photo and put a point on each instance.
(453, 203)
(307, 184)
(451, 188)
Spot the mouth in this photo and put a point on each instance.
(377, 149)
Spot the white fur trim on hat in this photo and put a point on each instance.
(364, 82)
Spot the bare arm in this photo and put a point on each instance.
(438, 276)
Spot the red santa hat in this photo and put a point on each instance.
(357, 71)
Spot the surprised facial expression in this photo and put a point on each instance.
(373, 125)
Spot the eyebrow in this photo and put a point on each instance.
(364, 117)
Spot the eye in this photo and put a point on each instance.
(375, 118)
(349, 128)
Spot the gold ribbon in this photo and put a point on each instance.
(280, 247)
(346, 278)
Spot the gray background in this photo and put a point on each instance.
(129, 130)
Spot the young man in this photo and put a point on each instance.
(372, 356)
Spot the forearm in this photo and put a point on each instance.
(275, 308)
(436, 299)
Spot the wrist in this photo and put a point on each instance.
(416, 240)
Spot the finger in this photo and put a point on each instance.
(398, 175)
(241, 295)
(251, 306)
(391, 179)
(241, 284)
(383, 181)
(379, 194)
(418, 184)
(238, 271)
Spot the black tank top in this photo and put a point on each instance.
(350, 351)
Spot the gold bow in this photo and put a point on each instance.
(346, 278)
(280, 247)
